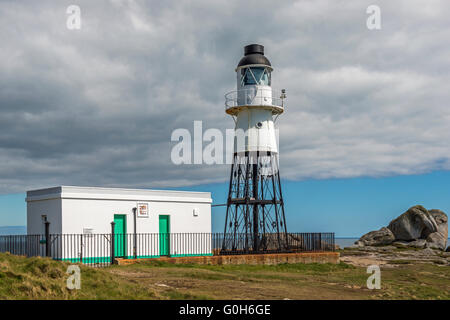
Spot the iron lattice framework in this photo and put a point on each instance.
(255, 219)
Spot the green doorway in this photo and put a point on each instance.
(164, 235)
(120, 235)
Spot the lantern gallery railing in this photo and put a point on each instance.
(255, 96)
(104, 249)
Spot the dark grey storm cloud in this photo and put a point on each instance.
(97, 106)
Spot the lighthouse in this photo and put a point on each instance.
(255, 219)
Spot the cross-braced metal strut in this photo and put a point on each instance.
(255, 219)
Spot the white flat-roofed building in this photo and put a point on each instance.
(90, 211)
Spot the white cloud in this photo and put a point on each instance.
(97, 106)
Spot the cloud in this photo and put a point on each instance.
(97, 106)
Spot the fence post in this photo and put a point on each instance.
(332, 241)
(135, 235)
(81, 248)
(112, 242)
(47, 240)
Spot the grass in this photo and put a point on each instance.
(42, 278)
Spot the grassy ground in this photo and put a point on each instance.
(41, 278)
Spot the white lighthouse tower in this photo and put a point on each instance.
(255, 219)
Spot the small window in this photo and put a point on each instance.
(265, 78)
(255, 75)
(249, 79)
(88, 232)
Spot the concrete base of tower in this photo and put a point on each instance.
(253, 259)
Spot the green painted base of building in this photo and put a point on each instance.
(90, 260)
(103, 260)
(189, 255)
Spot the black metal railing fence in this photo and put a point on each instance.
(104, 249)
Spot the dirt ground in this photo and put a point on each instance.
(403, 276)
(302, 281)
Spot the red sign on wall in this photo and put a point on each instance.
(142, 210)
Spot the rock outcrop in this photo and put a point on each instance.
(382, 237)
(438, 240)
(416, 223)
(390, 256)
(417, 227)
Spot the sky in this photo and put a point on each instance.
(349, 207)
(366, 117)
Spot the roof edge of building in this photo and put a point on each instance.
(103, 193)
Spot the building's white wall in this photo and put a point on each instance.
(98, 215)
(70, 210)
(51, 208)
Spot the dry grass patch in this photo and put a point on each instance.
(42, 278)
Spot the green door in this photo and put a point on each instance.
(120, 239)
(164, 235)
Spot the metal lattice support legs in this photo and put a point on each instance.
(255, 219)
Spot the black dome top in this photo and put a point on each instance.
(253, 48)
(254, 54)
